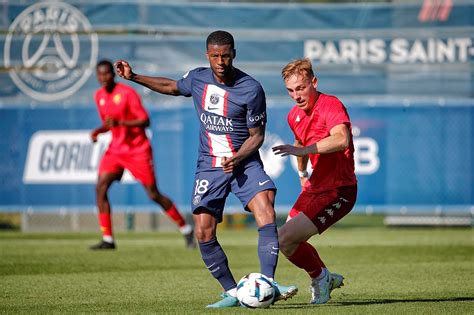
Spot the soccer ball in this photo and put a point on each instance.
(255, 291)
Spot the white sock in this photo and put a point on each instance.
(186, 229)
(232, 292)
(108, 238)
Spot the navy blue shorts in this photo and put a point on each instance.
(212, 186)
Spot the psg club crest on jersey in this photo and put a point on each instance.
(214, 99)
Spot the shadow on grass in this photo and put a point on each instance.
(372, 302)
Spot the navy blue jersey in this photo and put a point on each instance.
(226, 112)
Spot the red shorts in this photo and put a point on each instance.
(325, 208)
(139, 164)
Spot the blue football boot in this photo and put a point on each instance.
(284, 292)
(227, 301)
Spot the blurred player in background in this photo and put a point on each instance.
(231, 107)
(322, 131)
(122, 113)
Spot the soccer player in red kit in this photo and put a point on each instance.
(122, 113)
(322, 130)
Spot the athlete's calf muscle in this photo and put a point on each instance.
(262, 207)
(292, 233)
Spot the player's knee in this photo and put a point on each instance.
(154, 195)
(270, 212)
(101, 189)
(203, 234)
(265, 215)
(286, 242)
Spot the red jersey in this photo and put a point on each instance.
(329, 170)
(123, 104)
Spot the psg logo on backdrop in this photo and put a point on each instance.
(50, 50)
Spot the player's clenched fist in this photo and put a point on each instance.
(228, 164)
(123, 69)
(94, 136)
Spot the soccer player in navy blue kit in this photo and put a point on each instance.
(232, 111)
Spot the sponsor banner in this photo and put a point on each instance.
(400, 159)
(70, 157)
(65, 157)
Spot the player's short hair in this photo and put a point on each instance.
(105, 62)
(220, 38)
(298, 67)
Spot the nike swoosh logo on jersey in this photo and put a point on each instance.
(263, 183)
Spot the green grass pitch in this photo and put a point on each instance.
(404, 271)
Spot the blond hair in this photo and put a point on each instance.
(298, 67)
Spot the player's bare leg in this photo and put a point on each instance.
(261, 206)
(293, 236)
(205, 225)
(172, 212)
(214, 257)
(105, 215)
(293, 232)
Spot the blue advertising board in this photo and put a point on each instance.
(404, 74)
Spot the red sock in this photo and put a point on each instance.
(306, 257)
(174, 215)
(105, 222)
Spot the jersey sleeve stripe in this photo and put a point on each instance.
(203, 101)
(209, 143)
(225, 103)
(229, 141)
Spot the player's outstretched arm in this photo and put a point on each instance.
(338, 140)
(249, 147)
(157, 84)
